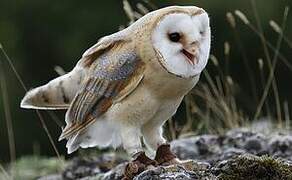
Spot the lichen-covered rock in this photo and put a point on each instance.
(91, 166)
(212, 148)
(186, 171)
(252, 142)
(178, 173)
(115, 174)
(281, 146)
(239, 154)
(199, 147)
(253, 168)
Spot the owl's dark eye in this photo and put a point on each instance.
(174, 37)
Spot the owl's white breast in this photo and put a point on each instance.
(165, 85)
(155, 99)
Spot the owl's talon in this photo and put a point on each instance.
(135, 167)
(164, 156)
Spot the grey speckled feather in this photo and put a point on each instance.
(125, 64)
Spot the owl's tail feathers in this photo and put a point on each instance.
(101, 134)
(57, 94)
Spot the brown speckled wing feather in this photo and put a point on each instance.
(113, 77)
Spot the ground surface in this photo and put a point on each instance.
(239, 154)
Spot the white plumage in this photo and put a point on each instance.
(192, 27)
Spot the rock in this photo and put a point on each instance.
(116, 173)
(255, 143)
(200, 147)
(252, 167)
(239, 154)
(228, 154)
(281, 146)
(91, 166)
(173, 172)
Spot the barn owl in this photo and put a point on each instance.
(128, 84)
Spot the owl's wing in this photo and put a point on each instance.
(103, 45)
(113, 77)
(59, 92)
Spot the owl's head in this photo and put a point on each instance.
(181, 39)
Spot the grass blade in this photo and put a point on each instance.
(44, 126)
(7, 112)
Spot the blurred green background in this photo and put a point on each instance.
(40, 34)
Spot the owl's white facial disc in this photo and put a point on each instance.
(183, 42)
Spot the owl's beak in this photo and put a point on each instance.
(190, 53)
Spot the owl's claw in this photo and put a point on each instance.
(165, 157)
(135, 167)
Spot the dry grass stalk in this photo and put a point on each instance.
(7, 112)
(44, 126)
(230, 19)
(220, 107)
(261, 63)
(226, 48)
(214, 60)
(287, 115)
(275, 26)
(59, 70)
(271, 65)
(142, 9)
(4, 174)
(129, 11)
(241, 16)
(269, 44)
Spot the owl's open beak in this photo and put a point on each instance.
(190, 53)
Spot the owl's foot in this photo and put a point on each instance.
(135, 167)
(165, 157)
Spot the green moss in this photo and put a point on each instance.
(32, 167)
(248, 167)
